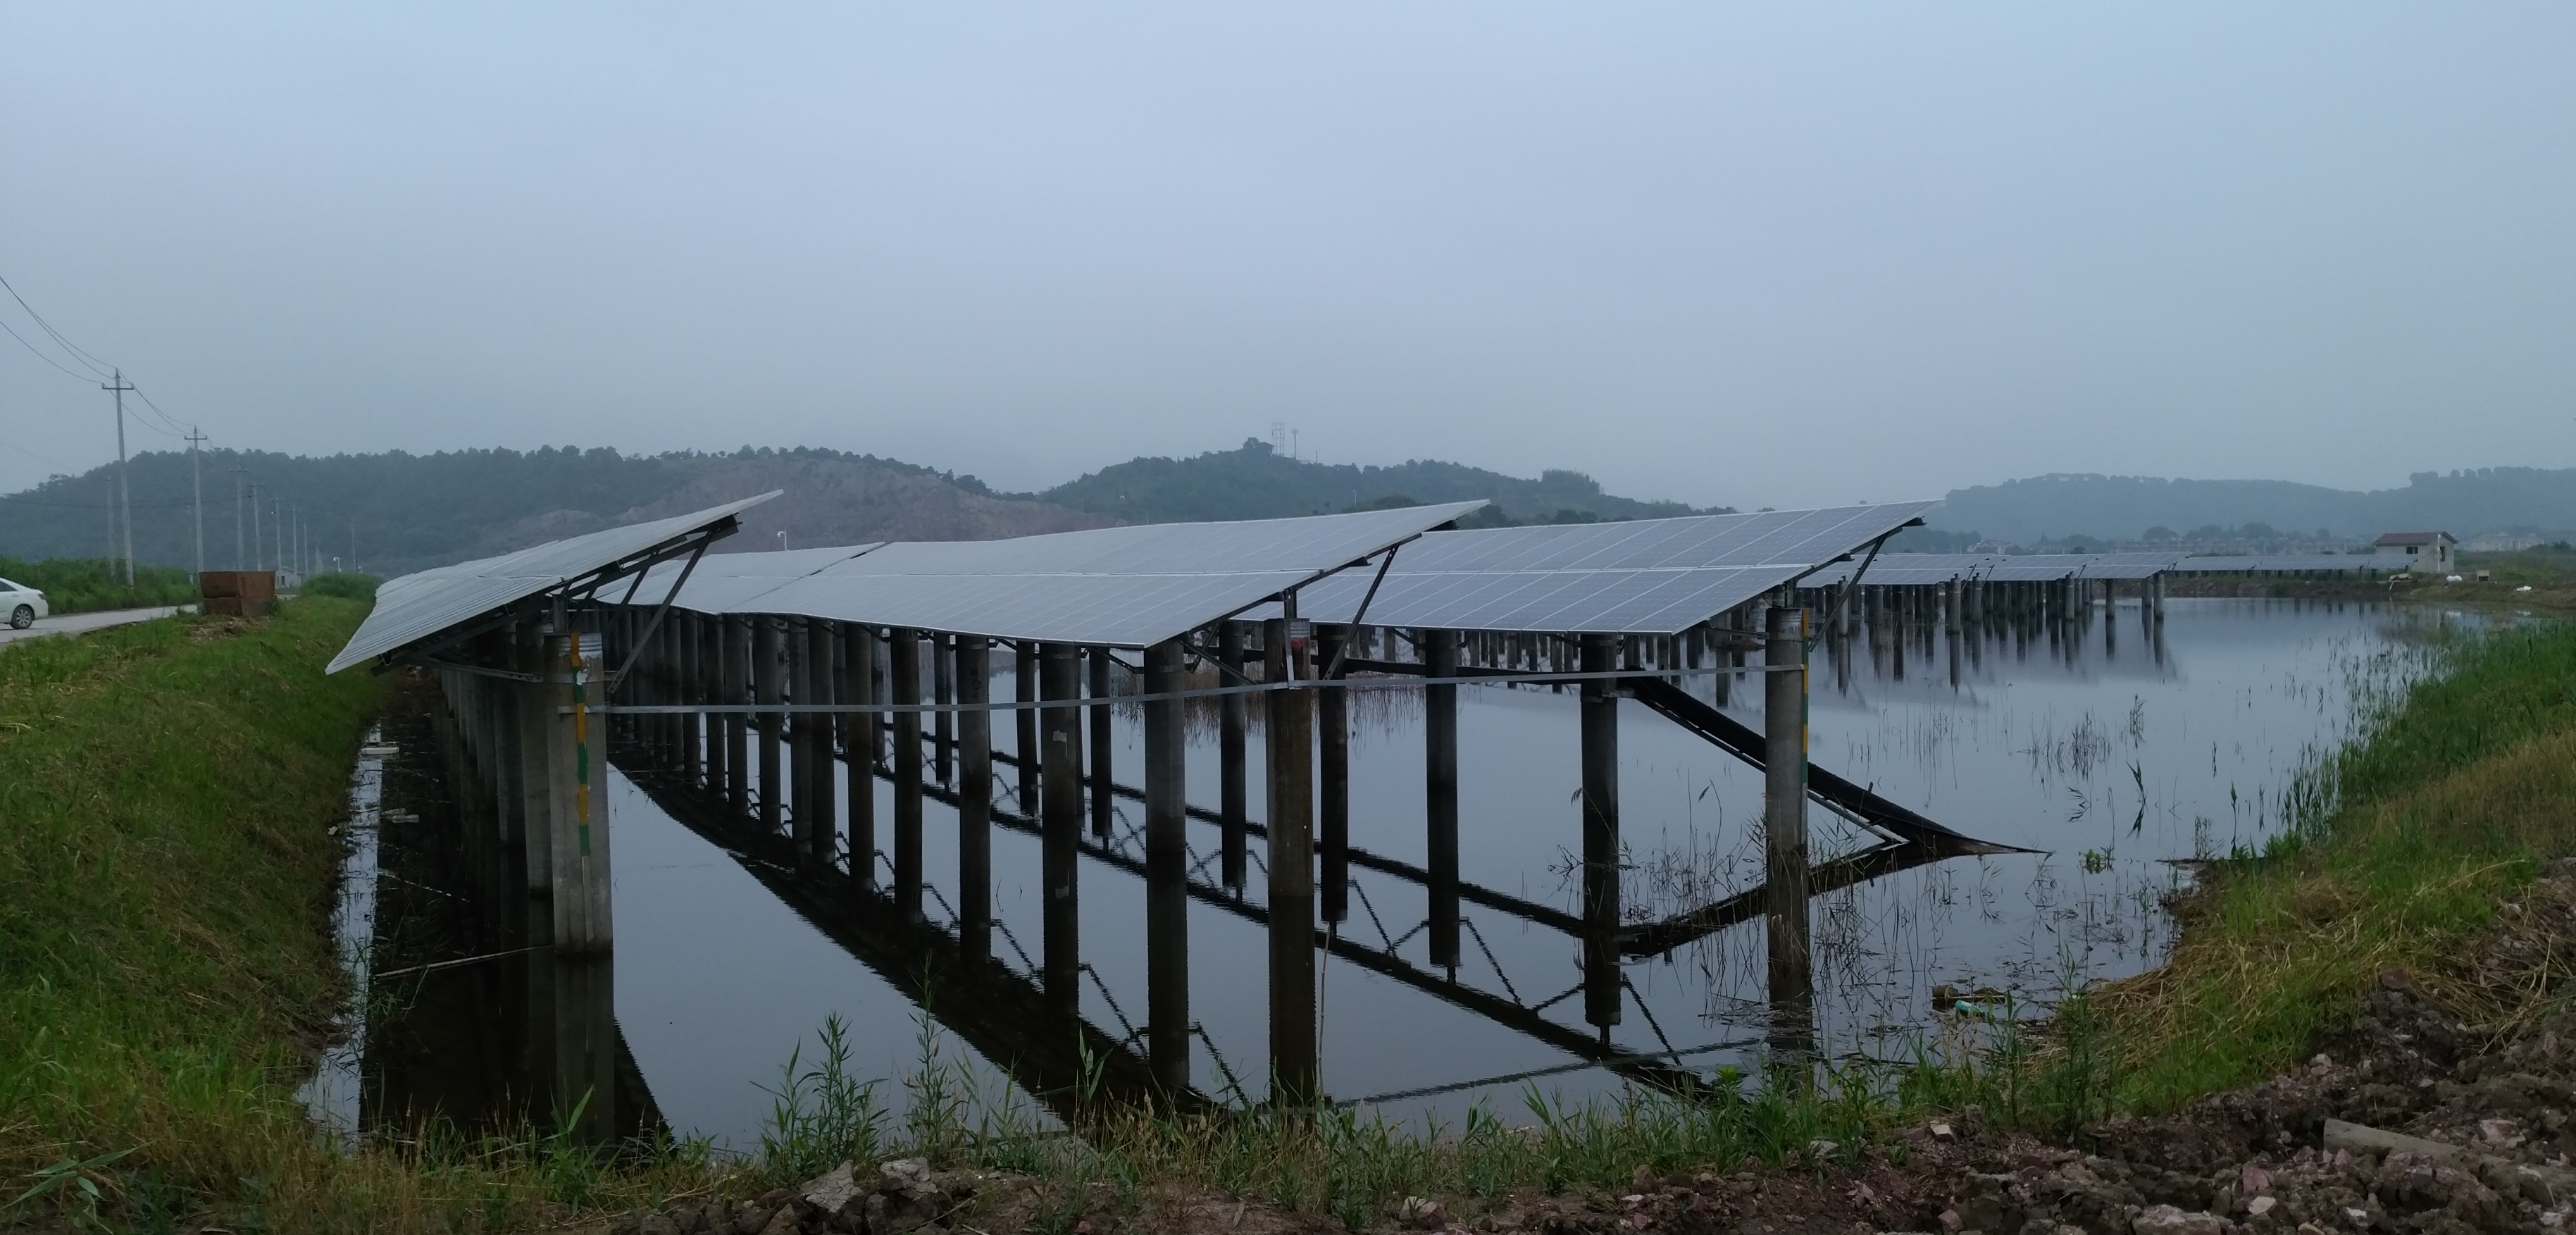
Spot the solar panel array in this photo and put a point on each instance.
(734, 582)
(1115, 587)
(2286, 563)
(421, 605)
(1646, 576)
(1908, 569)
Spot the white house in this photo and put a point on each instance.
(2430, 553)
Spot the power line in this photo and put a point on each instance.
(94, 362)
(31, 348)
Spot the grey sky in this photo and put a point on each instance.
(1773, 254)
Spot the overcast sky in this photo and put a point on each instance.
(1766, 254)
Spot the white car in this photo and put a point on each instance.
(23, 604)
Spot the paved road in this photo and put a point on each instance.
(75, 623)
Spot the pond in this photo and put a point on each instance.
(2115, 753)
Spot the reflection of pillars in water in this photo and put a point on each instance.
(737, 691)
(1440, 792)
(1784, 830)
(974, 679)
(1333, 755)
(903, 651)
(1167, 858)
(943, 691)
(1060, 682)
(1025, 721)
(2156, 640)
(1291, 733)
(2110, 619)
(1104, 802)
(801, 772)
(1231, 789)
(860, 670)
(583, 1038)
(1600, 717)
(771, 691)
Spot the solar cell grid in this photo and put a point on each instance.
(421, 605)
(1649, 576)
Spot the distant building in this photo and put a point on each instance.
(2432, 553)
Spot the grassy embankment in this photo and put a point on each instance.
(168, 798)
(2456, 799)
(90, 584)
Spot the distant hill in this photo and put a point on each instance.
(414, 511)
(2497, 499)
(1254, 481)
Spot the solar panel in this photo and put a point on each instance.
(1906, 569)
(732, 582)
(1645, 576)
(2282, 563)
(1116, 586)
(2036, 567)
(421, 605)
(2128, 565)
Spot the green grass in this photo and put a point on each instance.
(90, 584)
(2415, 834)
(168, 794)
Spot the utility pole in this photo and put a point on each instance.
(258, 554)
(124, 486)
(197, 478)
(238, 473)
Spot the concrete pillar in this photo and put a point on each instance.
(797, 687)
(1600, 834)
(818, 819)
(973, 678)
(1784, 829)
(1103, 803)
(536, 763)
(1294, 1060)
(859, 669)
(737, 691)
(687, 689)
(1333, 807)
(578, 798)
(1025, 724)
(1060, 824)
(903, 663)
(1167, 857)
(943, 691)
(1440, 792)
(1232, 790)
(770, 686)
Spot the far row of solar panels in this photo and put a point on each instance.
(2288, 563)
(1647, 576)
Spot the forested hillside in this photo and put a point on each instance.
(1256, 482)
(407, 511)
(2493, 499)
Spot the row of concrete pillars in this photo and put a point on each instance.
(812, 776)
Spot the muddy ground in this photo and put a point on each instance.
(2499, 1099)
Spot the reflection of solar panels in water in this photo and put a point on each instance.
(1646, 576)
(417, 606)
(1117, 586)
